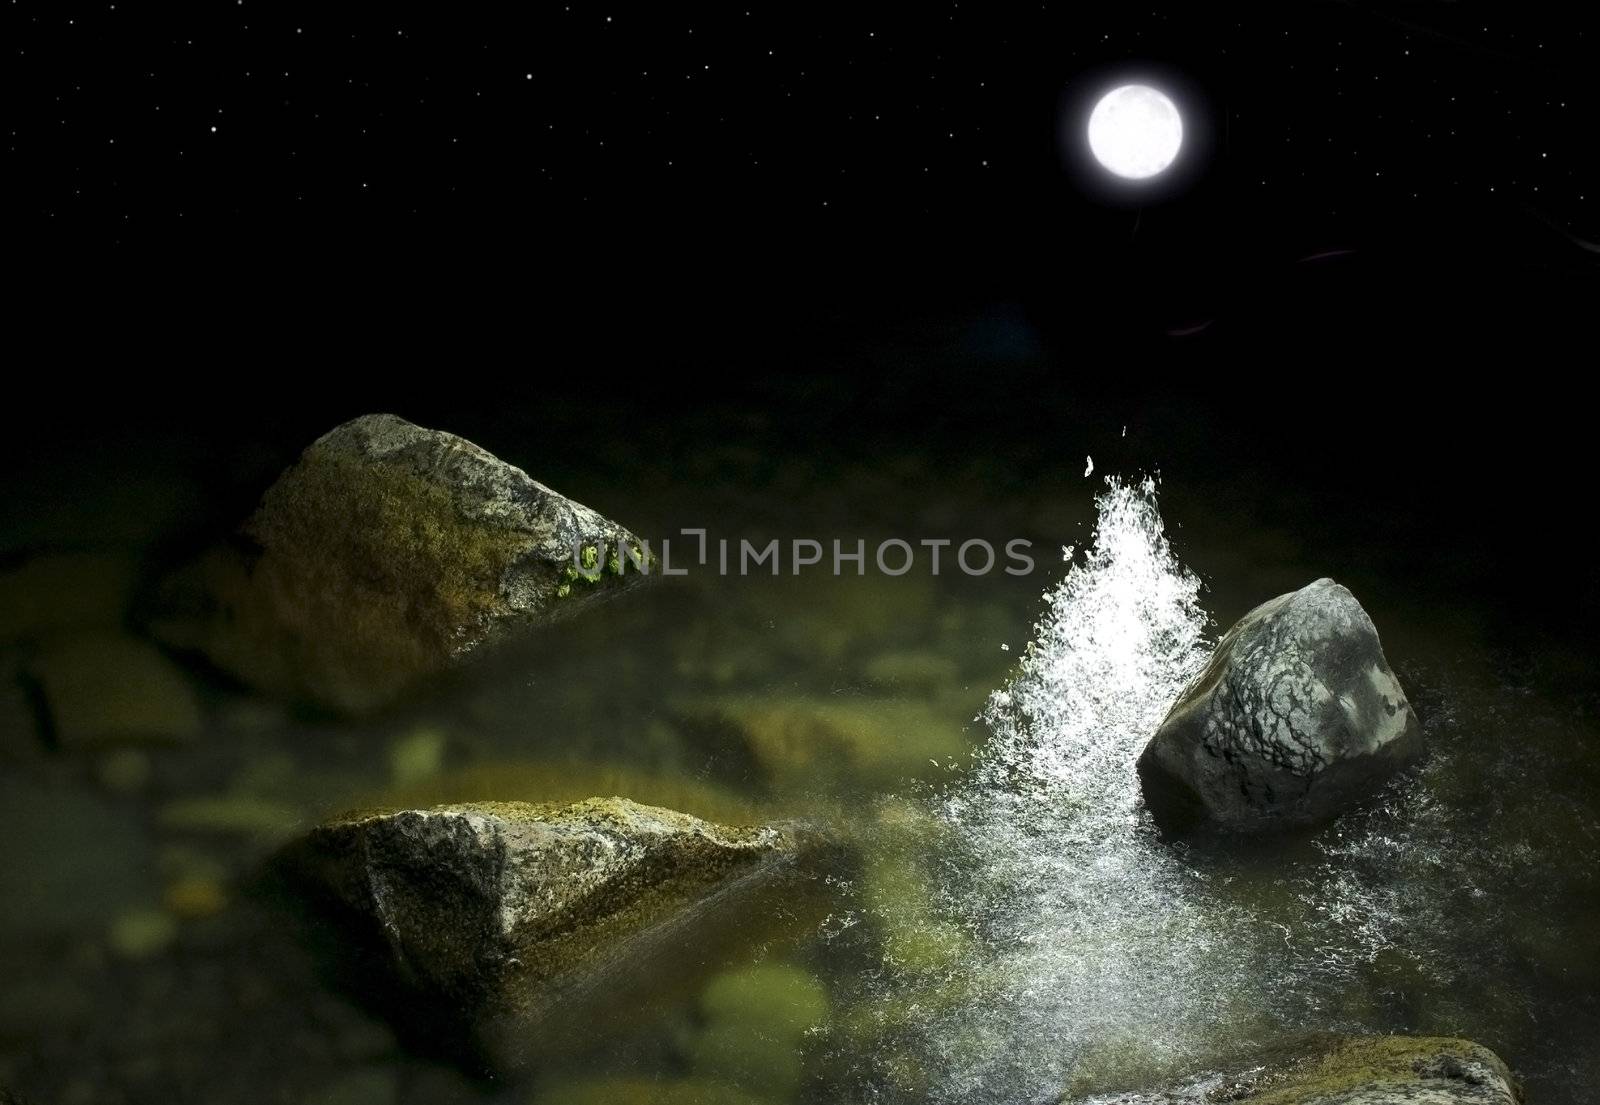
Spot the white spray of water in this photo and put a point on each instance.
(1090, 948)
(1100, 954)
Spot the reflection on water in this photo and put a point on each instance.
(1005, 924)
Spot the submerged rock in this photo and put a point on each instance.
(384, 555)
(104, 688)
(1296, 717)
(507, 912)
(754, 1021)
(1346, 1070)
(799, 741)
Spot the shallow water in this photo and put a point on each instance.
(1005, 925)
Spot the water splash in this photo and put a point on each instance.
(1122, 636)
(1092, 953)
(1060, 945)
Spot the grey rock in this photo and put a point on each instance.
(1296, 717)
(1345, 1070)
(504, 912)
(387, 554)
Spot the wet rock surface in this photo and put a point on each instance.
(386, 554)
(1296, 717)
(1346, 1070)
(508, 911)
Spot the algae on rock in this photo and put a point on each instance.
(500, 914)
(385, 555)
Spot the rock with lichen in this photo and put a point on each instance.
(385, 555)
(1345, 1070)
(1297, 716)
(509, 919)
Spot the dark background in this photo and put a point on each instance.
(1376, 294)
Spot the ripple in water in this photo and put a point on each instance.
(1091, 943)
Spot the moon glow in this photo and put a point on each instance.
(1135, 131)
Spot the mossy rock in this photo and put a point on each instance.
(844, 742)
(1347, 1070)
(522, 922)
(105, 688)
(387, 554)
(562, 781)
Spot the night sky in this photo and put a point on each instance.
(1381, 277)
(560, 175)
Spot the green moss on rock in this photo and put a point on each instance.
(386, 554)
(502, 913)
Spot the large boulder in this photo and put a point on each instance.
(1296, 717)
(386, 554)
(508, 920)
(1345, 1070)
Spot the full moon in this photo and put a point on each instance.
(1135, 131)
